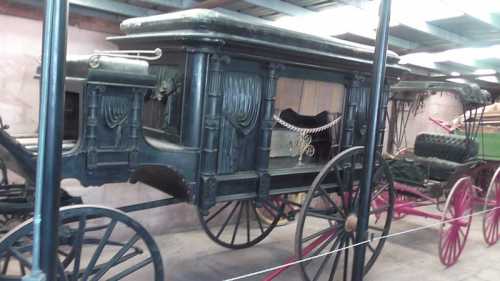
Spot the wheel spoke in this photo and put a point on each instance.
(131, 269)
(99, 249)
(227, 219)
(114, 260)
(321, 248)
(336, 262)
(218, 212)
(6, 264)
(22, 260)
(60, 270)
(237, 225)
(346, 259)
(319, 233)
(325, 260)
(77, 245)
(248, 221)
(257, 217)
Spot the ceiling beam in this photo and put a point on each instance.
(114, 7)
(393, 41)
(421, 26)
(98, 9)
(471, 9)
(487, 18)
(475, 65)
(282, 7)
(178, 4)
(210, 4)
(437, 32)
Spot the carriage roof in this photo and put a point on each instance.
(468, 93)
(198, 27)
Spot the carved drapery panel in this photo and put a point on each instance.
(242, 96)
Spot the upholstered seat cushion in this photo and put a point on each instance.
(454, 148)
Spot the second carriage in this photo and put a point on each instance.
(457, 172)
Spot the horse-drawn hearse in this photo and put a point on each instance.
(187, 106)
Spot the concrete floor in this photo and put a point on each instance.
(190, 256)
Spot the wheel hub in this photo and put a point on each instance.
(351, 223)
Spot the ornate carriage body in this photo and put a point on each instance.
(209, 118)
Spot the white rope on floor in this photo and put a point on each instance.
(356, 245)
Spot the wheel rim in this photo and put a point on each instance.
(237, 225)
(491, 217)
(327, 221)
(453, 234)
(89, 247)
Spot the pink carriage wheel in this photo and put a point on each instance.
(456, 221)
(491, 217)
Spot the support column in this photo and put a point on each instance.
(48, 175)
(371, 146)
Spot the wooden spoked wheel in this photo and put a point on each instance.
(237, 225)
(95, 243)
(328, 220)
(456, 221)
(491, 216)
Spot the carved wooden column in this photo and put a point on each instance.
(353, 102)
(265, 133)
(136, 127)
(213, 108)
(91, 134)
(384, 100)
